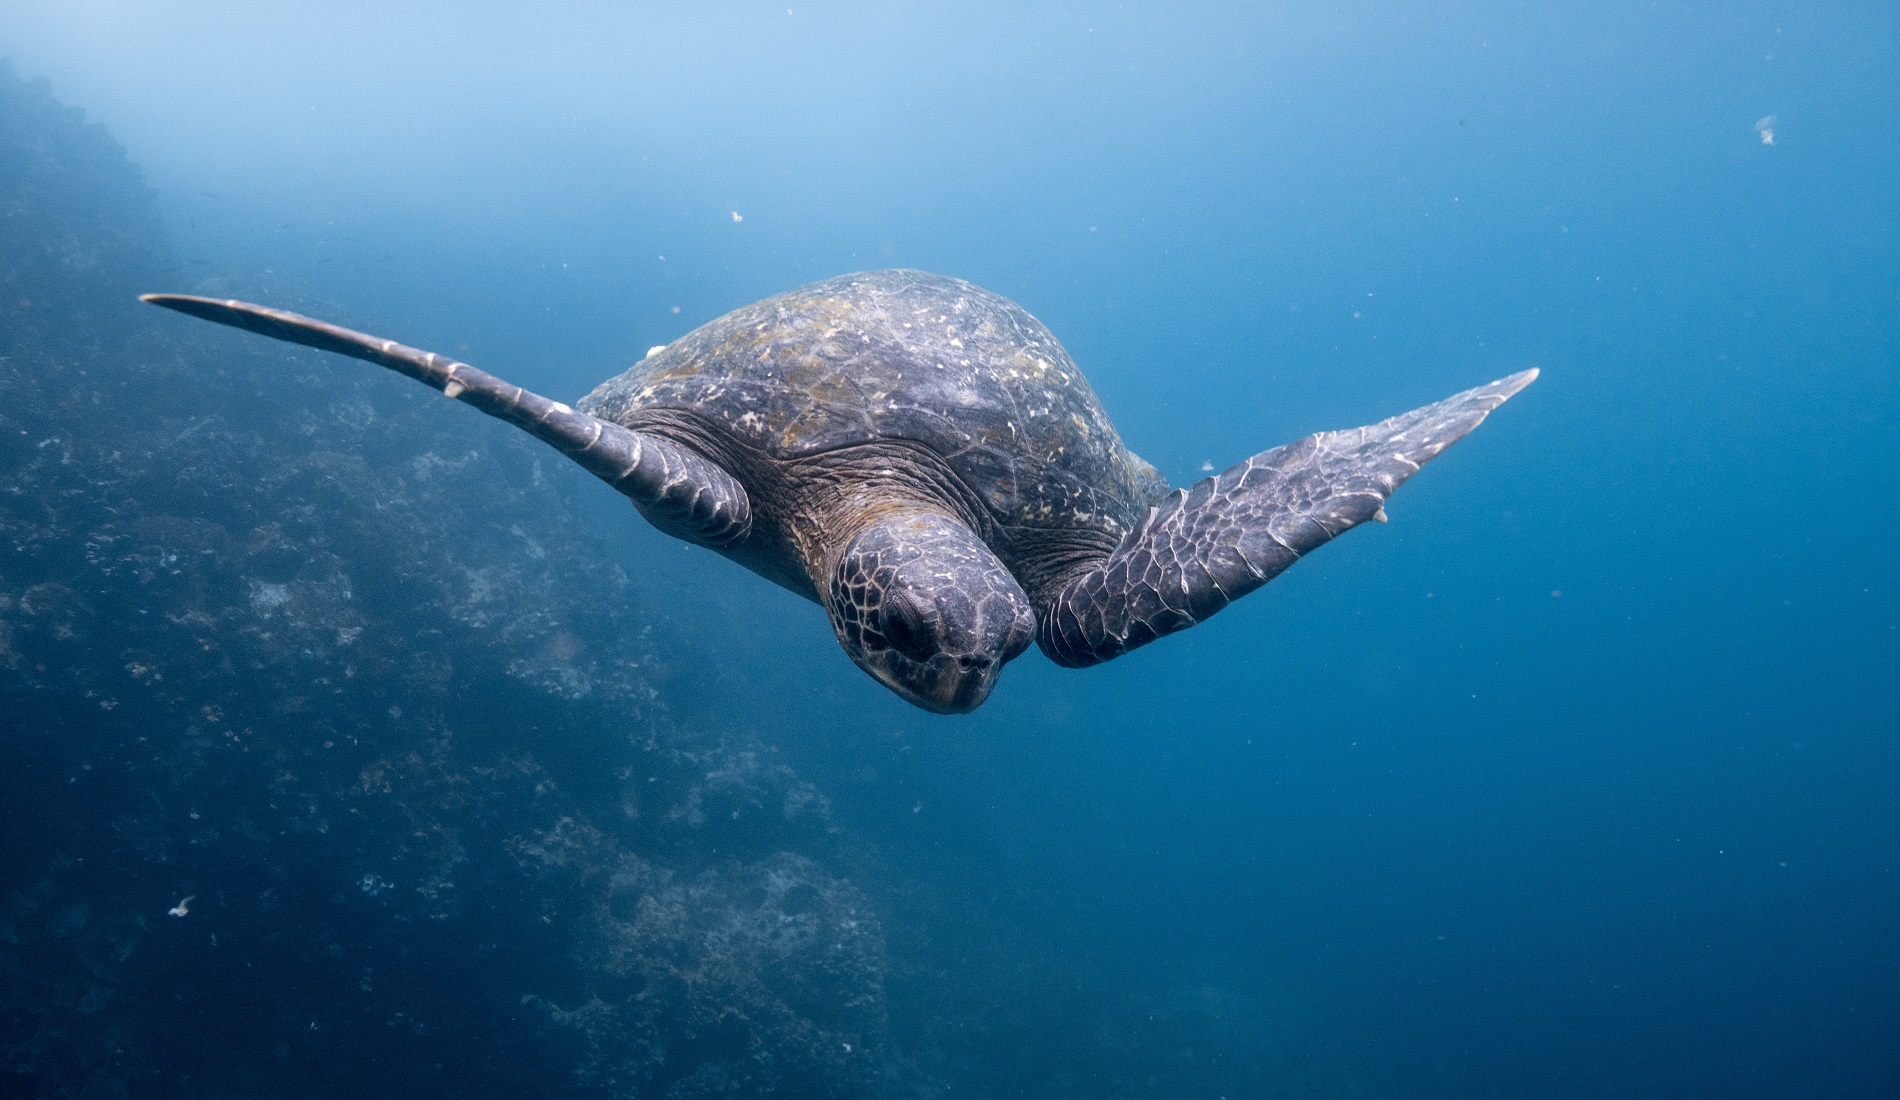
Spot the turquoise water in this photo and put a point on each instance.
(1576, 779)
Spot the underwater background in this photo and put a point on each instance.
(1578, 779)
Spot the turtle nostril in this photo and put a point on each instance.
(973, 664)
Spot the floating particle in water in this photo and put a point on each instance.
(1765, 126)
(183, 907)
(737, 217)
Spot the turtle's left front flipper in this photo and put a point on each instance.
(681, 492)
(1205, 547)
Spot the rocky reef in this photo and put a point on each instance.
(336, 763)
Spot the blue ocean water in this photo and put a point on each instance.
(1579, 778)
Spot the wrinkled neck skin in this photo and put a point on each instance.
(837, 495)
(915, 596)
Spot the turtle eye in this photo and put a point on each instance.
(905, 629)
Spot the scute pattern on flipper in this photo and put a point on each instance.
(904, 355)
(1206, 546)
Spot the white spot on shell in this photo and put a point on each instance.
(454, 389)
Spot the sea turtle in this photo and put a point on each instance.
(922, 458)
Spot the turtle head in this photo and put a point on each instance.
(921, 603)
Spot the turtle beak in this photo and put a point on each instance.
(947, 685)
(959, 684)
(960, 689)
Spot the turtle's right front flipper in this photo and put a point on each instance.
(681, 492)
(1203, 548)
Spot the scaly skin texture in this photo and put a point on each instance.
(1207, 546)
(924, 606)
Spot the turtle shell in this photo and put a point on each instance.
(904, 355)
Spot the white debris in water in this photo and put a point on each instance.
(1765, 126)
(183, 907)
(737, 217)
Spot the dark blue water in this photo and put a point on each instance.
(1579, 778)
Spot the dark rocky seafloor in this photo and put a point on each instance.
(279, 637)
